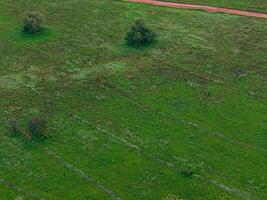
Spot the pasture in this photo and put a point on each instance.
(129, 123)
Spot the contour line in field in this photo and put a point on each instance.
(202, 7)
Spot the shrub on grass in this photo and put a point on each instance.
(140, 35)
(37, 126)
(32, 22)
(188, 170)
(13, 126)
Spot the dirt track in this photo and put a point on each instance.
(202, 7)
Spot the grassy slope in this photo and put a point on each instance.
(254, 5)
(135, 97)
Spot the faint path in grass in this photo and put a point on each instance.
(10, 185)
(202, 7)
(143, 105)
(121, 91)
(114, 138)
(82, 174)
(234, 191)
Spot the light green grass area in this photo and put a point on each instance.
(253, 5)
(123, 122)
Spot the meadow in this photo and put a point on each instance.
(124, 123)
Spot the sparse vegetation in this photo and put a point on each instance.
(12, 124)
(140, 35)
(37, 126)
(32, 22)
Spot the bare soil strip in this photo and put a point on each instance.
(202, 7)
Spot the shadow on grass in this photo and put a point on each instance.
(21, 38)
(124, 49)
(30, 144)
(144, 48)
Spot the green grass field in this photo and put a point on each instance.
(123, 122)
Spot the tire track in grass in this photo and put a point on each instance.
(204, 77)
(142, 105)
(10, 185)
(71, 167)
(31, 195)
(122, 141)
(114, 138)
(234, 191)
(82, 174)
(239, 193)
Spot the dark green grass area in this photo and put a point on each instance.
(253, 5)
(123, 122)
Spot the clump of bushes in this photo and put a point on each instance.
(140, 35)
(37, 126)
(32, 22)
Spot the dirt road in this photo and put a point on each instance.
(202, 7)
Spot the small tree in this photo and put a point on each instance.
(32, 22)
(13, 126)
(140, 35)
(37, 126)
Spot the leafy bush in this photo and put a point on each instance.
(32, 22)
(37, 126)
(188, 170)
(13, 126)
(140, 35)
